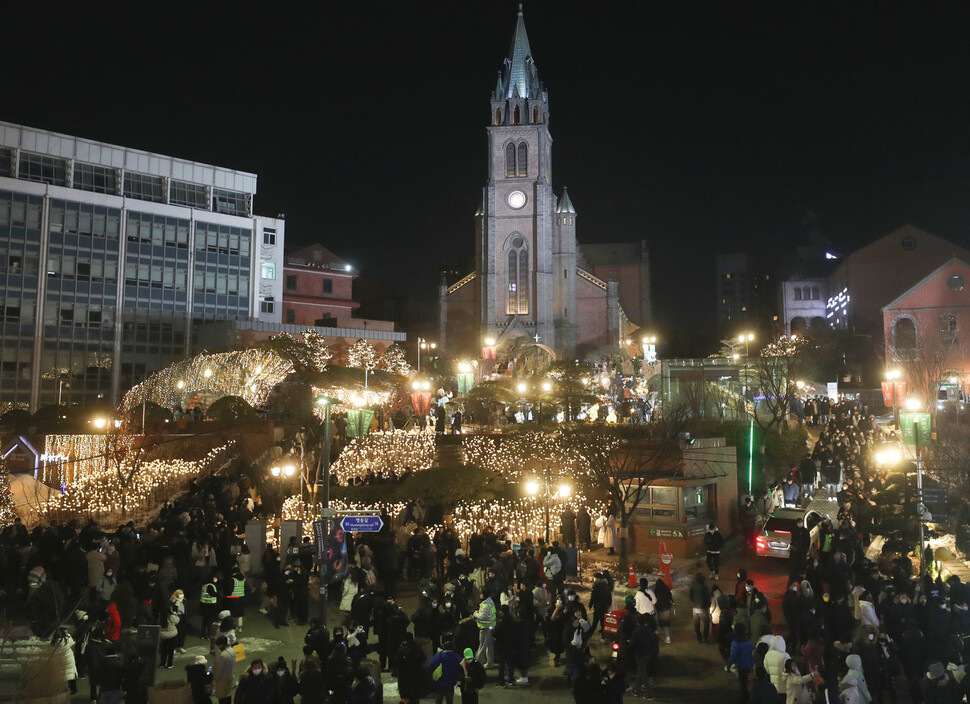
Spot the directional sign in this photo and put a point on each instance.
(362, 524)
(935, 495)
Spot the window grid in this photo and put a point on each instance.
(229, 202)
(94, 178)
(43, 169)
(144, 187)
(190, 195)
(518, 277)
(6, 162)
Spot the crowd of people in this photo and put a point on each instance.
(850, 629)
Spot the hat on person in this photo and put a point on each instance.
(630, 602)
(200, 660)
(458, 552)
(935, 672)
(469, 654)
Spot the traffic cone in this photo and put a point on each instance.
(634, 583)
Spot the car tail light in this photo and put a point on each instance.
(760, 542)
(782, 532)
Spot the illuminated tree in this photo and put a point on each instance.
(394, 361)
(8, 510)
(362, 355)
(774, 374)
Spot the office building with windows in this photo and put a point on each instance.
(110, 257)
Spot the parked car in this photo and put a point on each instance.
(774, 538)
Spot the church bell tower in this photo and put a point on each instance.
(515, 238)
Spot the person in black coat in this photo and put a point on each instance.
(600, 601)
(199, 678)
(255, 685)
(338, 674)
(285, 686)
(584, 528)
(408, 668)
(312, 686)
(568, 528)
(586, 681)
(318, 638)
(613, 685)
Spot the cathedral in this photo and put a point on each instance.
(525, 235)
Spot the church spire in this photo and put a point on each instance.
(520, 70)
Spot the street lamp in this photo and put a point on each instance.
(746, 338)
(533, 486)
(913, 406)
(282, 472)
(423, 344)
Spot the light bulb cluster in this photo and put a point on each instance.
(517, 456)
(96, 487)
(345, 398)
(250, 374)
(385, 454)
(524, 518)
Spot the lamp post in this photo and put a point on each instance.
(423, 344)
(746, 338)
(324, 463)
(913, 405)
(534, 486)
(282, 472)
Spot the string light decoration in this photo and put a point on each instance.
(349, 398)
(524, 518)
(394, 361)
(309, 355)
(516, 456)
(386, 454)
(362, 355)
(295, 509)
(250, 374)
(95, 490)
(8, 510)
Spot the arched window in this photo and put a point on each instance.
(498, 117)
(510, 161)
(535, 116)
(798, 293)
(814, 293)
(515, 115)
(518, 273)
(904, 338)
(523, 161)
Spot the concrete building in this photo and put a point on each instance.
(111, 256)
(528, 280)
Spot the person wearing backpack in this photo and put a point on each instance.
(446, 671)
(474, 679)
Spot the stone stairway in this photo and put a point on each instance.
(447, 450)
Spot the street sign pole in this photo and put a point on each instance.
(920, 506)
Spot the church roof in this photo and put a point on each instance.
(520, 79)
(565, 205)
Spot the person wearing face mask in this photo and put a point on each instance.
(425, 621)
(796, 684)
(284, 683)
(255, 685)
(106, 587)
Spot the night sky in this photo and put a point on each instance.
(704, 127)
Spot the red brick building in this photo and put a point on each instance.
(932, 320)
(318, 288)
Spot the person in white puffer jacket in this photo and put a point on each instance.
(775, 660)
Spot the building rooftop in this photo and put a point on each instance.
(57, 146)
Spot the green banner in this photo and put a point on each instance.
(358, 422)
(466, 382)
(910, 422)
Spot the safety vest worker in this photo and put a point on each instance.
(238, 588)
(485, 616)
(209, 594)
